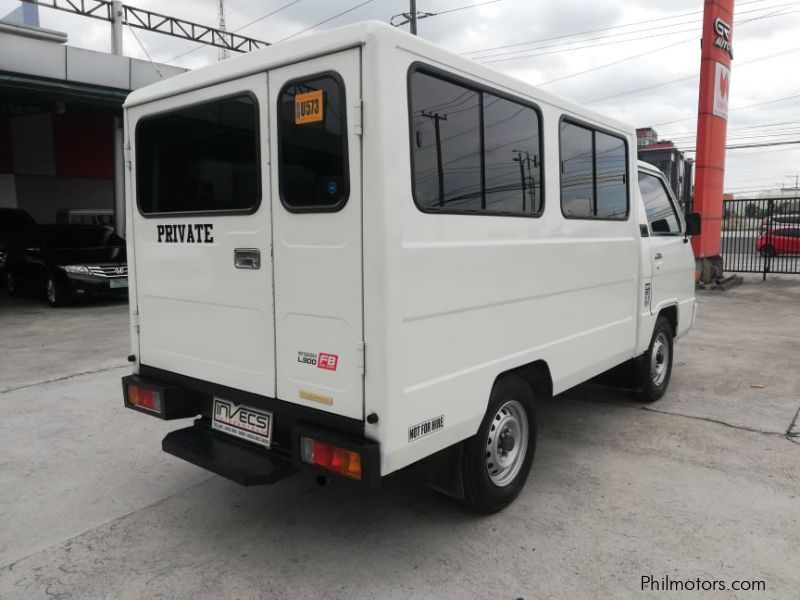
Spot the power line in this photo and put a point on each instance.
(740, 146)
(622, 60)
(449, 10)
(687, 77)
(534, 52)
(266, 16)
(556, 50)
(746, 127)
(731, 110)
(413, 15)
(336, 16)
(616, 62)
(590, 31)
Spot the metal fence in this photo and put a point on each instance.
(761, 235)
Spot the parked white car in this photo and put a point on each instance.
(358, 251)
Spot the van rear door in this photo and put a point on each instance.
(202, 230)
(316, 203)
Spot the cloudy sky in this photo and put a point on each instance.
(634, 59)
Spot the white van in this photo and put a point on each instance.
(358, 251)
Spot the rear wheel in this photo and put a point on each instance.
(657, 362)
(496, 461)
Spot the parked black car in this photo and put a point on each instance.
(12, 221)
(67, 261)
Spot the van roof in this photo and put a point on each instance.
(349, 36)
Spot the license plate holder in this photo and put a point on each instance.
(245, 422)
(118, 283)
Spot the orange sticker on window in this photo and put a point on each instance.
(308, 107)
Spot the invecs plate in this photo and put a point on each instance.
(245, 422)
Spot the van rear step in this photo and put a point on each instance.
(228, 458)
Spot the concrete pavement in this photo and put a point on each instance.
(703, 484)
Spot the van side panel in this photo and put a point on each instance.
(468, 297)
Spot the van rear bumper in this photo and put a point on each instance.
(238, 460)
(226, 457)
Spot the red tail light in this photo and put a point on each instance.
(144, 398)
(339, 460)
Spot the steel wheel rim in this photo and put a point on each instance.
(659, 359)
(51, 291)
(507, 443)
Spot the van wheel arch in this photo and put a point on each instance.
(670, 313)
(536, 374)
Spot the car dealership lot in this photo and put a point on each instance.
(703, 484)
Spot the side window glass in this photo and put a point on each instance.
(594, 168)
(312, 139)
(660, 211)
(473, 151)
(445, 119)
(577, 171)
(511, 151)
(612, 189)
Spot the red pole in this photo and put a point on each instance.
(712, 125)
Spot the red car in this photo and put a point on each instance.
(785, 240)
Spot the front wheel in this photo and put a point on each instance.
(55, 297)
(496, 461)
(657, 362)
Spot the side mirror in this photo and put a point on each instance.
(693, 224)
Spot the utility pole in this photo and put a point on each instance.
(527, 181)
(222, 53)
(521, 162)
(796, 180)
(412, 10)
(439, 167)
(117, 16)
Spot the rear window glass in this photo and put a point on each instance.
(312, 137)
(201, 158)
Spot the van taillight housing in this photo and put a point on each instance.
(333, 458)
(146, 398)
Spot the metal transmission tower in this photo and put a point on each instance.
(149, 21)
(222, 53)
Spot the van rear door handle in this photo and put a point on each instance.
(247, 258)
(659, 256)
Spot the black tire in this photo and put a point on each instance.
(656, 364)
(11, 285)
(482, 492)
(55, 295)
(768, 251)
